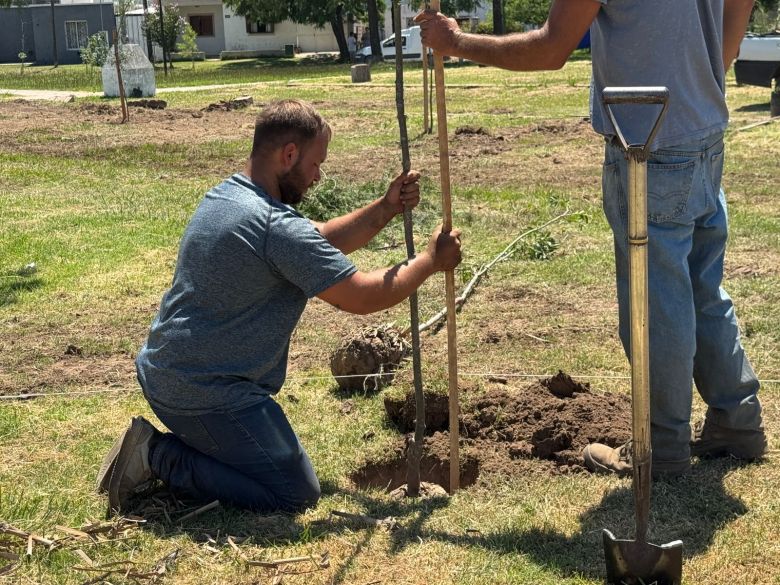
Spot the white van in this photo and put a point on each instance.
(411, 44)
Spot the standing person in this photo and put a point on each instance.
(352, 46)
(687, 46)
(217, 351)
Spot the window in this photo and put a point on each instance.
(202, 24)
(391, 41)
(256, 28)
(76, 34)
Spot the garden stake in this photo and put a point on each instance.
(449, 275)
(633, 562)
(414, 451)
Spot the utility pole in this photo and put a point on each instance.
(54, 35)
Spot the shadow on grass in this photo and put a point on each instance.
(763, 107)
(12, 284)
(691, 509)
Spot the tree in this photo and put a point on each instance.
(166, 35)
(319, 13)
(96, 51)
(188, 46)
(522, 12)
(121, 8)
(373, 30)
(498, 17)
(55, 54)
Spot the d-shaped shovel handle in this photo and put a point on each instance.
(636, 95)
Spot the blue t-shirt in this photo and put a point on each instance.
(247, 266)
(672, 43)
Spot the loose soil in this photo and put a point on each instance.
(540, 428)
(366, 359)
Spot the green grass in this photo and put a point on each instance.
(99, 208)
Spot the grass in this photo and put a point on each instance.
(99, 208)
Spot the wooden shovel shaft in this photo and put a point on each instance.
(449, 276)
(640, 339)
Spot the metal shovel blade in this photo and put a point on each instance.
(632, 562)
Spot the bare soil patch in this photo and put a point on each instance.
(540, 428)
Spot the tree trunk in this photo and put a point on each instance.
(498, 17)
(373, 31)
(149, 49)
(54, 36)
(337, 22)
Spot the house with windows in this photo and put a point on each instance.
(222, 33)
(28, 29)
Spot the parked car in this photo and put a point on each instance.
(411, 44)
(758, 62)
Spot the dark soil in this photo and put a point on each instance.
(366, 359)
(541, 428)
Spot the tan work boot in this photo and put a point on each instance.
(129, 466)
(709, 439)
(605, 459)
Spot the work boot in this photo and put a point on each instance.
(709, 439)
(601, 458)
(128, 461)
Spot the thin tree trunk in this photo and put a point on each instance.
(337, 23)
(414, 450)
(149, 49)
(55, 53)
(373, 31)
(498, 17)
(162, 39)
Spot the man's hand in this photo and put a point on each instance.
(444, 249)
(403, 192)
(438, 31)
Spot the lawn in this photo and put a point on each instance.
(92, 212)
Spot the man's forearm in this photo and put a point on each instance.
(354, 230)
(736, 15)
(531, 51)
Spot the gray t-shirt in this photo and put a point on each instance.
(247, 266)
(672, 43)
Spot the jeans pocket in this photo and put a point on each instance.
(192, 431)
(668, 189)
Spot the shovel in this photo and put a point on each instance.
(637, 562)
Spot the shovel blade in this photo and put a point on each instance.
(631, 562)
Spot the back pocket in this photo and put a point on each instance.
(668, 190)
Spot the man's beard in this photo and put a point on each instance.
(291, 186)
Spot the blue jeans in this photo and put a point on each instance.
(250, 458)
(693, 327)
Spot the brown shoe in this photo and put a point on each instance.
(709, 439)
(601, 458)
(130, 469)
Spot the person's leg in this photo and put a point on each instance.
(722, 372)
(675, 198)
(249, 458)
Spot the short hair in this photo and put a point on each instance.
(284, 121)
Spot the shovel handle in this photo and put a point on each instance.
(616, 96)
(449, 276)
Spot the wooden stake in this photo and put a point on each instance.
(415, 448)
(449, 276)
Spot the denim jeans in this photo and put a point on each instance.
(249, 458)
(692, 325)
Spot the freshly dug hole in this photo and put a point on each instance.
(367, 359)
(390, 472)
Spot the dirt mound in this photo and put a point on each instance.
(367, 359)
(550, 421)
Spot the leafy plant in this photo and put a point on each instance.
(96, 51)
(22, 57)
(541, 247)
(172, 26)
(188, 46)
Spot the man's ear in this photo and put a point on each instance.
(290, 154)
